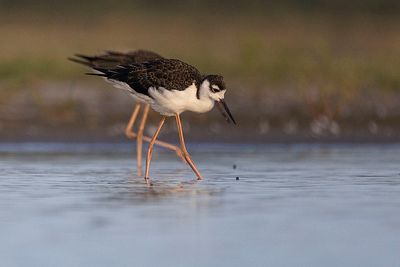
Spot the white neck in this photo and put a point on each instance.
(204, 103)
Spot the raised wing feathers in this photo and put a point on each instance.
(111, 59)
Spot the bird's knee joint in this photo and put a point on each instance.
(130, 135)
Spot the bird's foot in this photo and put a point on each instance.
(148, 182)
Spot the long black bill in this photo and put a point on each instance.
(225, 111)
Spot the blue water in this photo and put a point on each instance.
(293, 205)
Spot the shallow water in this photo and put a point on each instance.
(293, 205)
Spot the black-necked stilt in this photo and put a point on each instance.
(110, 60)
(170, 87)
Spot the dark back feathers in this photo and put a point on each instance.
(171, 74)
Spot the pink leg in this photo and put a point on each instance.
(183, 147)
(150, 150)
(141, 137)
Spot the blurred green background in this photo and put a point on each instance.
(295, 69)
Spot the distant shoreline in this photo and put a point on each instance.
(95, 112)
(272, 138)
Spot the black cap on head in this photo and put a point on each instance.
(219, 85)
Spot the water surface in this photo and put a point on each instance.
(293, 205)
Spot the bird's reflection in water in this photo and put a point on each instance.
(134, 189)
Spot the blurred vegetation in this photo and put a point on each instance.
(352, 44)
(385, 7)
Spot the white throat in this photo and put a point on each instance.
(204, 103)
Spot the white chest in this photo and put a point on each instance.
(171, 102)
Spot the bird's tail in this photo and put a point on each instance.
(84, 60)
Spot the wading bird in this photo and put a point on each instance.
(170, 87)
(110, 60)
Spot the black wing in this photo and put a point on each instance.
(112, 59)
(171, 74)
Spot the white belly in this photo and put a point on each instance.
(171, 102)
(167, 102)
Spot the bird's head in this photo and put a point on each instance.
(215, 89)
